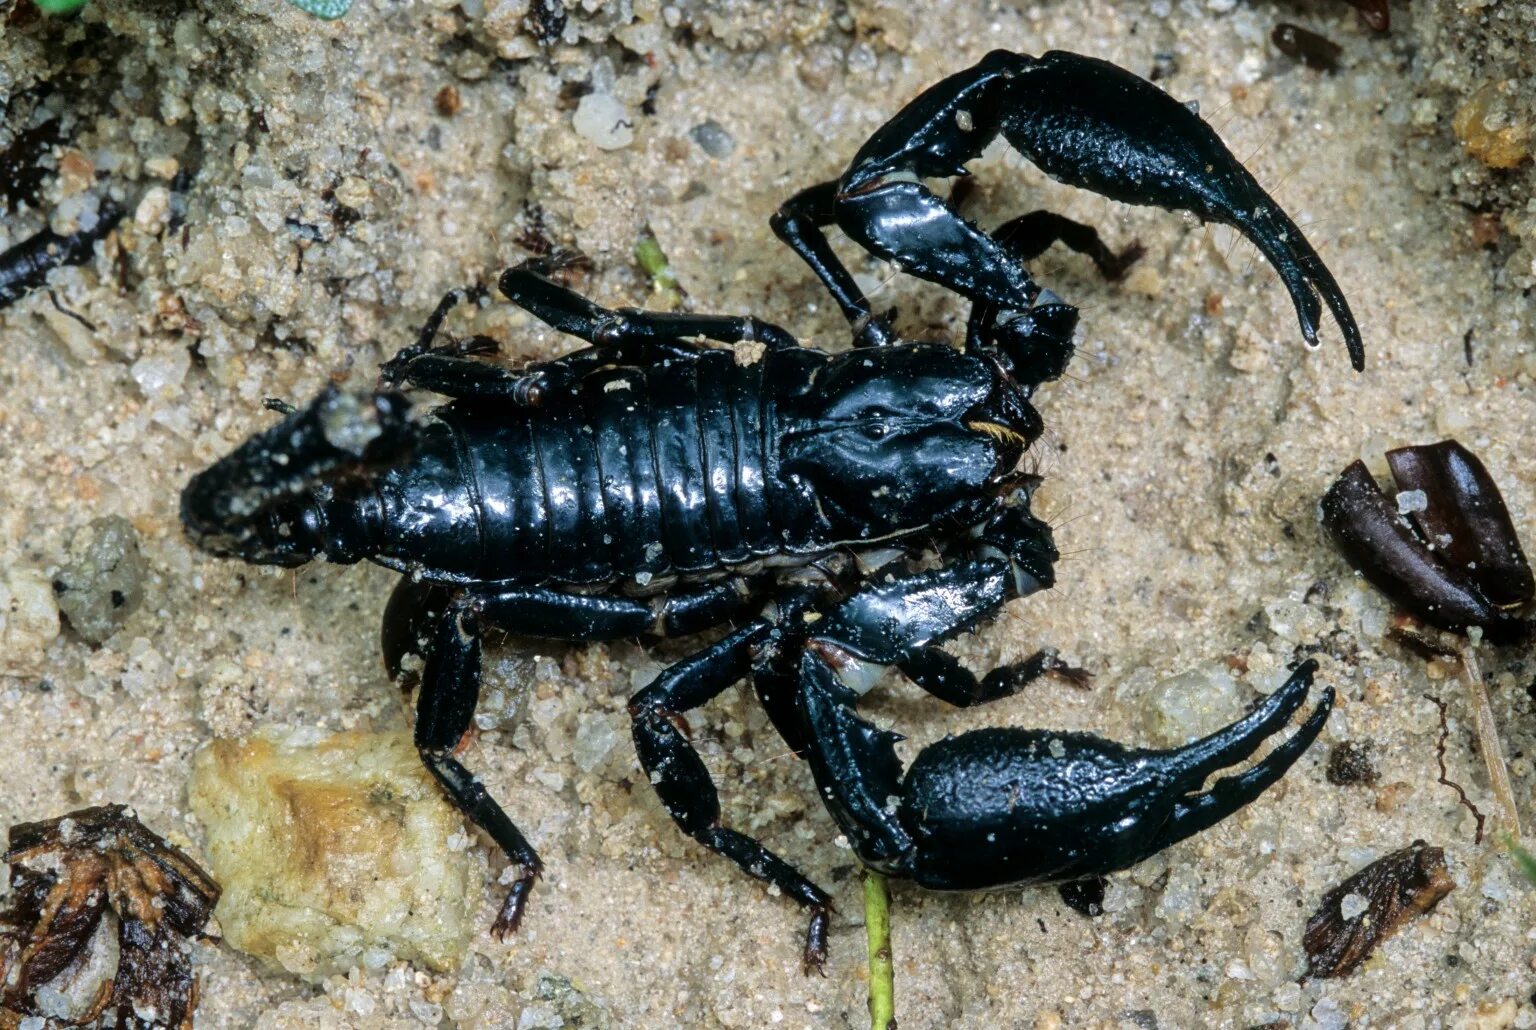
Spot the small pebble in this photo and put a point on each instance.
(103, 582)
(713, 139)
(603, 120)
(1410, 501)
(1352, 905)
(29, 621)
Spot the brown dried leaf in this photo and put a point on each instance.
(1396, 888)
(101, 912)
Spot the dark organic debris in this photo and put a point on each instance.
(1446, 550)
(21, 171)
(547, 18)
(1053, 663)
(1445, 780)
(98, 933)
(1311, 49)
(1425, 641)
(1085, 896)
(1350, 763)
(1374, 13)
(25, 267)
(1393, 889)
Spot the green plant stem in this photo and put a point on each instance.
(653, 261)
(1524, 860)
(882, 971)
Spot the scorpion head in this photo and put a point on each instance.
(891, 439)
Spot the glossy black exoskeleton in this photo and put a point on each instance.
(845, 513)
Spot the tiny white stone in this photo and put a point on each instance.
(1410, 501)
(604, 120)
(1352, 905)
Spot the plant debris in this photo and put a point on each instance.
(1444, 779)
(1317, 52)
(1374, 13)
(21, 169)
(1370, 906)
(1444, 549)
(102, 912)
(1350, 763)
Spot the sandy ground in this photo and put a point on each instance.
(1185, 454)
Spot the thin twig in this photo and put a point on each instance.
(1488, 741)
(1445, 779)
(882, 971)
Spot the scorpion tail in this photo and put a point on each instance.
(260, 502)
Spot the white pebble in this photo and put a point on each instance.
(1410, 501)
(1352, 905)
(605, 121)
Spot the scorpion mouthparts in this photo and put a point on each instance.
(999, 432)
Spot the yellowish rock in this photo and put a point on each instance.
(1488, 127)
(333, 851)
(29, 621)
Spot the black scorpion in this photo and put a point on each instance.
(649, 485)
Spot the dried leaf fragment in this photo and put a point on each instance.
(1370, 906)
(102, 913)
(1444, 549)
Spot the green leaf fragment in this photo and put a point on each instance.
(60, 6)
(649, 255)
(1523, 858)
(327, 9)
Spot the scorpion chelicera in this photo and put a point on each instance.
(650, 485)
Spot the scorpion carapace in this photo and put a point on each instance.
(845, 513)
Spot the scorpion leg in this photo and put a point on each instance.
(450, 688)
(684, 784)
(451, 369)
(693, 611)
(798, 224)
(624, 336)
(664, 332)
(397, 369)
(940, 673)
(901, 620)
(25, 266)
(415, 608)
(1037, 344)
(1028, 236)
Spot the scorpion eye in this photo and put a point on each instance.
(875, 431)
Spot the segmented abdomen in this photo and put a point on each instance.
(648, 472)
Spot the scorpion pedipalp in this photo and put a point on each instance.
(1085, 122)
